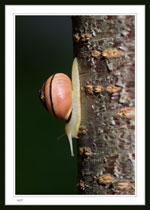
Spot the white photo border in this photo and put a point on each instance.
(11, 11)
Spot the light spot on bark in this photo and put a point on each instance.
(89, 89)
(112, 89)
(124, 186)
(105, 179)
(86, 37)
(86, 151)
(76, 37)
(96, 53)
(124, 96)
(133, 186)
(111, 53)
(100, 130)
(82, 130)
(98, 89)
(128, 112)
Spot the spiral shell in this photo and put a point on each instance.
(56, 96)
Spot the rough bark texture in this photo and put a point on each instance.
(105, 48)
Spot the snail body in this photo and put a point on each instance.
(61, 98)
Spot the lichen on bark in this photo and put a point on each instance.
(105, 49)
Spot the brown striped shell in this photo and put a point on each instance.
(56, 95)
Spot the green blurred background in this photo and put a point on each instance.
(43, 163)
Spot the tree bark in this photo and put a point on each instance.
(105, 48)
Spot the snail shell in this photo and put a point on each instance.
(56, 95)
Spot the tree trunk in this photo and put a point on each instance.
(105, 48)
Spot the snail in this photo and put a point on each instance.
(61, 98)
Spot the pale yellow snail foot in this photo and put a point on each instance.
(70, 143)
